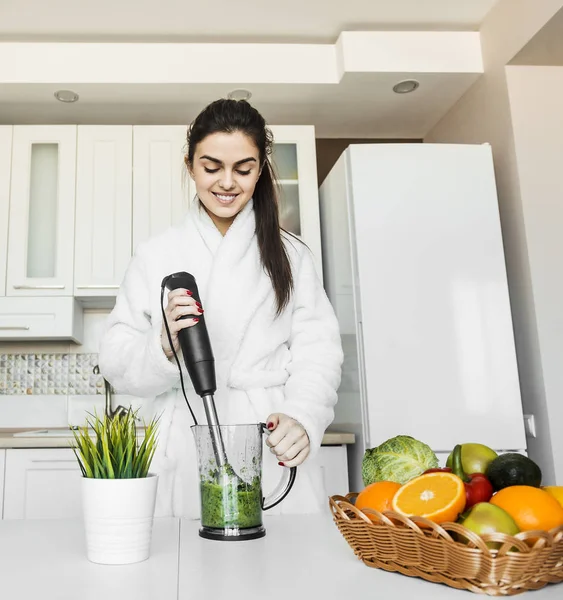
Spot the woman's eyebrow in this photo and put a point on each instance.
(220, 162)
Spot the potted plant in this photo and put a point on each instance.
(118, 491)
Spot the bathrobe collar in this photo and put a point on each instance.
(237, 284)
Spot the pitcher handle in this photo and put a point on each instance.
(284, 486)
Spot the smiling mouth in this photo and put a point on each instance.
(225, 198)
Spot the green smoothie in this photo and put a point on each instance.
(231, 506)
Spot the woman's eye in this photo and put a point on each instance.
(244, 172)
(210, 170)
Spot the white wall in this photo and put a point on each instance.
(536, 103)
(483, 115)
(55, 410)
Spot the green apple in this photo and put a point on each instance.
(488, 518)
(475, 458)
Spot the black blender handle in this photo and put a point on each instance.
(194, 341)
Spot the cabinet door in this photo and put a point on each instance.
(334, 465)
(294, 159)
(41, 241)
(160, 180)
(2, 463)
(103, 209)
(42, 483)
(5, 167)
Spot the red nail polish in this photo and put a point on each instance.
(196, 320)
(281, 464)
(198, 304)
(200, 310)
(270, 425)
(189, 293)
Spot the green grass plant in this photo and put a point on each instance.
(110, 447)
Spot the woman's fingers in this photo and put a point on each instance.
(177, 326)
(288, 441)
(179, 292)
(299, 459)
(294, 435)
(181, 311)
(180, 304)
(293, 450)
(281, 424)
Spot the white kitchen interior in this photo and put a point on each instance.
(434, 227)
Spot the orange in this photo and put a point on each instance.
(378, 496)
(531, 507)
(556, 491)
(438, 497)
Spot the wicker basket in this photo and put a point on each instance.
(419, 548)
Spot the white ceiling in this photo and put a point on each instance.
(356, 109)
(363, 107)
(228, 20)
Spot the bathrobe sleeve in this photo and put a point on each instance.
(131, 356)
(316, 355)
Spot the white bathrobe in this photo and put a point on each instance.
(264, 364)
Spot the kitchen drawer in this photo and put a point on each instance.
(52, 318)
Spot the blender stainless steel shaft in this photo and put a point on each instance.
(215, 431)
(200, 363)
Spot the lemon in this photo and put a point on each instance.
(556, 491)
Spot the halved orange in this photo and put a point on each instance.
(439, 497)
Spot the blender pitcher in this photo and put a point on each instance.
(231, 495)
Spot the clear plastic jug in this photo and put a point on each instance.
(232, 501)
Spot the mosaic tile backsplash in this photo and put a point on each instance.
(49, 374)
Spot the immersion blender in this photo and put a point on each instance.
(200, 363)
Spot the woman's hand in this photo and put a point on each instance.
(288, 441)
(180, 303)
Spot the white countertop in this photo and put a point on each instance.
(7, 439)
(301, 557)
(46, 560)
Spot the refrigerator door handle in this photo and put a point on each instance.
(363, 386)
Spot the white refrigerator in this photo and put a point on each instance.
(414, 266)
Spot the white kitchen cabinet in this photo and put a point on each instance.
(2, 464)
(42, 483)
(41, 220)
(334, 465)
(5, 168)
(41, 318)
(161, 184)
(102, 248)
(295, 162)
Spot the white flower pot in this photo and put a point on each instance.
(118, 518)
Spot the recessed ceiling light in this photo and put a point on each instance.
(66, 96)
(240, 94)
(406, 87)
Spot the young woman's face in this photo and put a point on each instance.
(225, 170)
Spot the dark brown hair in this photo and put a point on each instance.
(229, 116)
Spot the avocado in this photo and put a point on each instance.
(513, 469)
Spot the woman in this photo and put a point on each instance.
(274, 334)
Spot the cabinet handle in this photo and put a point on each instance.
(14, 328)
(46, 460)
(97, 287)
(39, 287)
(363, 384)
